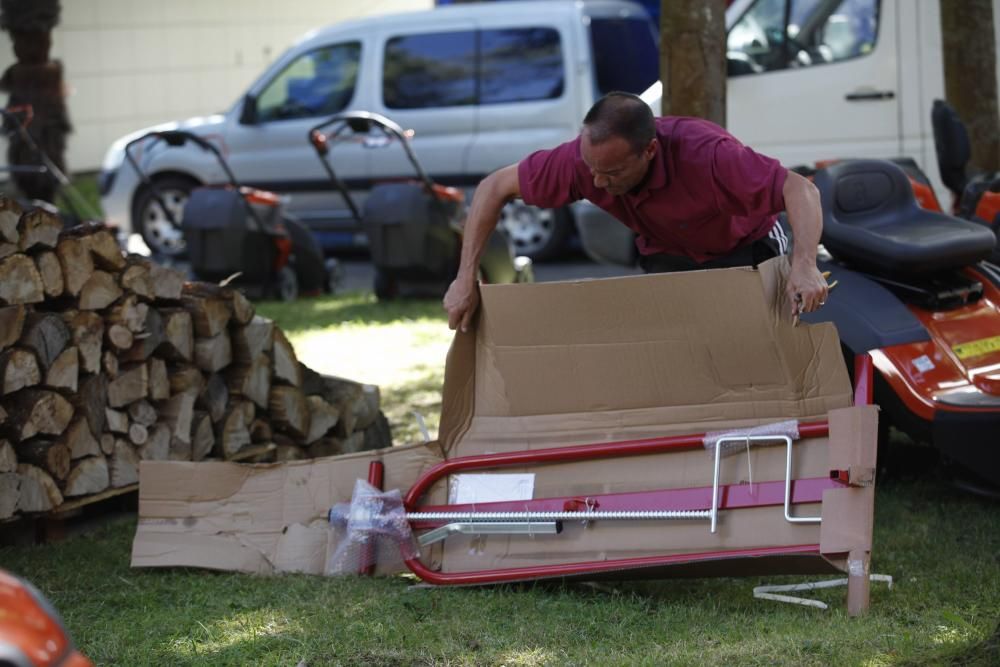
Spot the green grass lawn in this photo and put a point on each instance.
(941, 546)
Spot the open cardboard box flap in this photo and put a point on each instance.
(559, 364)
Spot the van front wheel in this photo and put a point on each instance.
(162, 234)
(535, 232)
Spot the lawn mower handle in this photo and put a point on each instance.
(178, 138)
(362, 122)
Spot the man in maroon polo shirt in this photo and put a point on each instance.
(696, 197)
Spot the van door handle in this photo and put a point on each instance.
(865, 95)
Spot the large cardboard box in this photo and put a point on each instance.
(576, 363)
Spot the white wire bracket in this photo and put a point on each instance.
(774, 592)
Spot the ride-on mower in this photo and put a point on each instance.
(917, 293)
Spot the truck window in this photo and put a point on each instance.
(626, 55)
(777, 34)
(430, 70)
(317, 83)
(520, 64)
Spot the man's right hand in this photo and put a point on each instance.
(461, 302)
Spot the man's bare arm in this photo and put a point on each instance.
(806, 285)
(493, 193)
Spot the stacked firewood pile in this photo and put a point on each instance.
(107, 360)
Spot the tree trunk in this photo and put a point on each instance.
(970, 75)
(693, 59)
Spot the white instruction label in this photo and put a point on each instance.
(923, 364)
(483, 488)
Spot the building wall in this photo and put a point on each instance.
(133, 63)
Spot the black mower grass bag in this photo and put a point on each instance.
(223, 238)
(410, 231)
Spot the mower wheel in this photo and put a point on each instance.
(386, 286)
(287, 285)
(163, 237)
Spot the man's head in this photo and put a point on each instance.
(618, 142)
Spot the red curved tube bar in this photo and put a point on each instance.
(862, 395)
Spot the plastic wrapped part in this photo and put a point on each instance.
(788, 428)
(371, 529)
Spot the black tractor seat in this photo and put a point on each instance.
(871, 221)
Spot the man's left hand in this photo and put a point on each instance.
(807, 289)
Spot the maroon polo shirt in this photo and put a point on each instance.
(704, 195)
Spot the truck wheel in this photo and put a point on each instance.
(287, 284)
(152, 222)
(535, 232)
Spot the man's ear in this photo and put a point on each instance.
(650, 151)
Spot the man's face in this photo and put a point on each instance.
(613, 165)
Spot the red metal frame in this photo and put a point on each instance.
(731, 496)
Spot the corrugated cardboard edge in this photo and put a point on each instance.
(848, 513)
(262, 518)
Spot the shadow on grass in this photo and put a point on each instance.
(353, 307)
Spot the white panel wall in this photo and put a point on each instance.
(134, 63)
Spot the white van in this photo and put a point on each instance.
(816, 80)
(481, 85)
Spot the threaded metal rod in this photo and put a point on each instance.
(623, 515)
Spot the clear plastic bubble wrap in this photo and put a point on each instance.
(371, 529)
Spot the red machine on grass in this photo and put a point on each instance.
(31, 632)
(919, 294)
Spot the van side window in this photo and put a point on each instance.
(317, 83)
(520, 64)
(778, 34)
(626, 54)
(430, 70)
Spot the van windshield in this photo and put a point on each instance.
(626, 56)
